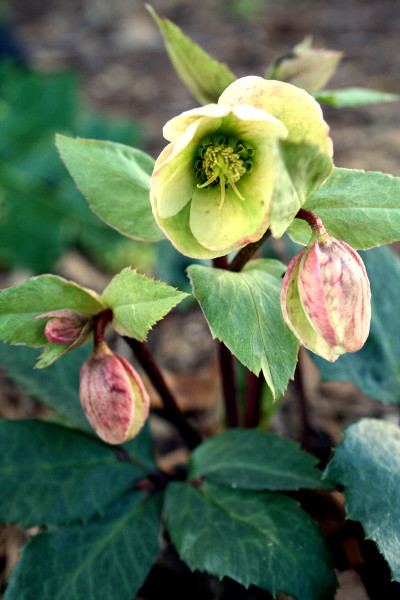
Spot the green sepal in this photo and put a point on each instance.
(204, 77)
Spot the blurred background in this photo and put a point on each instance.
(98, 69)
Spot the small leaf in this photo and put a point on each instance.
(302, 168)
(204, 77)
(108, 557)
(138, 302)
(263, 539)
(62, 477)
(371, 453)
(360, 208)
(354, 96)
(243, 311)
(20, 304)
(115, 180)
(254, 460)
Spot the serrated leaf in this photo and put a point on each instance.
(261, 539)
(362, 209)
(354, 96)
(204, 77)
(243, 311)
(302, 168)
(65, 477)
(138, 302)
(108, 557)
(254, 460)
(371, 453)
(20, 304)
(375, 369)
(115, 180)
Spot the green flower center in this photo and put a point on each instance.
(222, 160)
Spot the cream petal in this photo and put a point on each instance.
(231, 226)
(175, 127)
(301, 114)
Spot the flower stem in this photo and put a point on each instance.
(227, 369)
(253, 400)
(100, 322)
(244, 255)
(315, 223)
(172, 411)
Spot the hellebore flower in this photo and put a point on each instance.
(113, 396)
(326, 296)
(212, 186)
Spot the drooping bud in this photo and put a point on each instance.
(65, 326)
(326, 296)
(113, 396)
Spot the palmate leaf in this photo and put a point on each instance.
(263, 539)
(205, 77)
(371, 453)
(108, 557)
(358, 207)
(115, 180)
(138, 302)
(254, 460)
(65, 477)
(243, 311)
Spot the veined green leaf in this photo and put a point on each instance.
(115, 180)
(256, 538)
(138, 302)
(243, 311)
(371, 453)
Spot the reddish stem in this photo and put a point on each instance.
(100, 322)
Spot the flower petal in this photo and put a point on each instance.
(175, 127)
(233, 225)
(293, 106)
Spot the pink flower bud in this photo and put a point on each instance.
(65, 326)
(325, 298)
(113, 396)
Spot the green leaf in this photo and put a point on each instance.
(243, 311)
(138, 302)
(375, 369)
(115, 180)
(371, 453)
(254, 460)
(204, 77)
(264, 539)
(20, 304)
(108, 557)
(354, 96)
(65, 477)
(302, 168)
(362, 209)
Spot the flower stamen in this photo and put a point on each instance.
(224, 160)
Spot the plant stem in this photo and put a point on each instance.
(100, 322)
(172, 411)
(227, 369)
(253, 400)
(303, 402)
(244, 255)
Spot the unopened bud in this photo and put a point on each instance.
(113, 396)
(65, 326)
(326, 297)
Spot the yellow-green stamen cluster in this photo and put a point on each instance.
(222, 160)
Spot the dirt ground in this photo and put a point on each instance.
(118, 53)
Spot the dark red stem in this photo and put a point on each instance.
(172, 411)
(253, 400)
(100, 322)
(244, 255)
